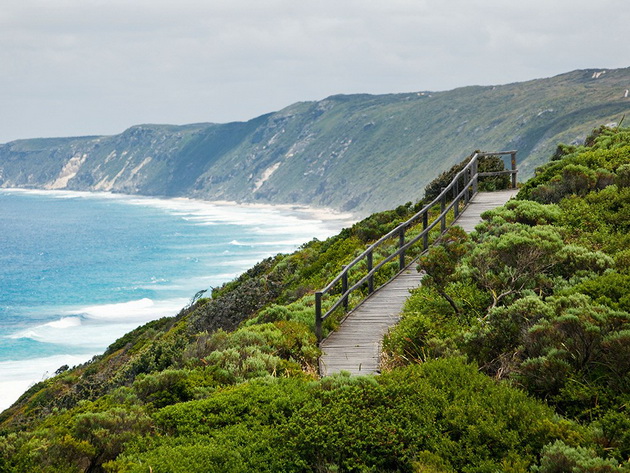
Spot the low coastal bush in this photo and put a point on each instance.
(354, 424)
(513, 356)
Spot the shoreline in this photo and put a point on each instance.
(271, 226)
(304, 211)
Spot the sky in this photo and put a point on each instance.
(96, 67)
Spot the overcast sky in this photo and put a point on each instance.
(78, 67)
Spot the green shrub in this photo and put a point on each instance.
(582, 346)
(611, 289)
(560, 458)
(612, 434)
(526, 212)
(164, 388)
(496, 344)
(516, 261)
(444, 407)
(623, 176)
(441, 261)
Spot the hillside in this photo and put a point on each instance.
(513, 356)
(360, 153)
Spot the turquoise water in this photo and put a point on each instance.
(78, 270)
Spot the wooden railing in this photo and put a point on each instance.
(461, 189)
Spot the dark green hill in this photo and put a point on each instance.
(352, 152)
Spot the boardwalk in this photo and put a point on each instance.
(480, 203)
(356, 346)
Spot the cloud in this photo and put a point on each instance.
(76, 67)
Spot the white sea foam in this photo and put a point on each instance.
(93, 327)
(93, 336)
(65, 194)
(268, 218)
(139, 310)
(64, 322)
(97, 326)
(292, 219)
(17, 376)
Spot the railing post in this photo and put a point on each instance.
(344, 287)
(318, 316)
(369, 268)
(442, 208)
(401, 243)
(475, 178)
(456, 198)
(513, 170)
(425, 224)
(467, 175)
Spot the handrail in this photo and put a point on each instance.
(470, 176)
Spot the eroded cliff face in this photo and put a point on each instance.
(360, 153)
(136, 161)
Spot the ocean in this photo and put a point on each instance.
(78, 270)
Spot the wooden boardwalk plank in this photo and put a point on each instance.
(483, 201)
(356, 346)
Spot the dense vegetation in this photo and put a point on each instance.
(360, 153)
(539, 296)
(514, 356)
